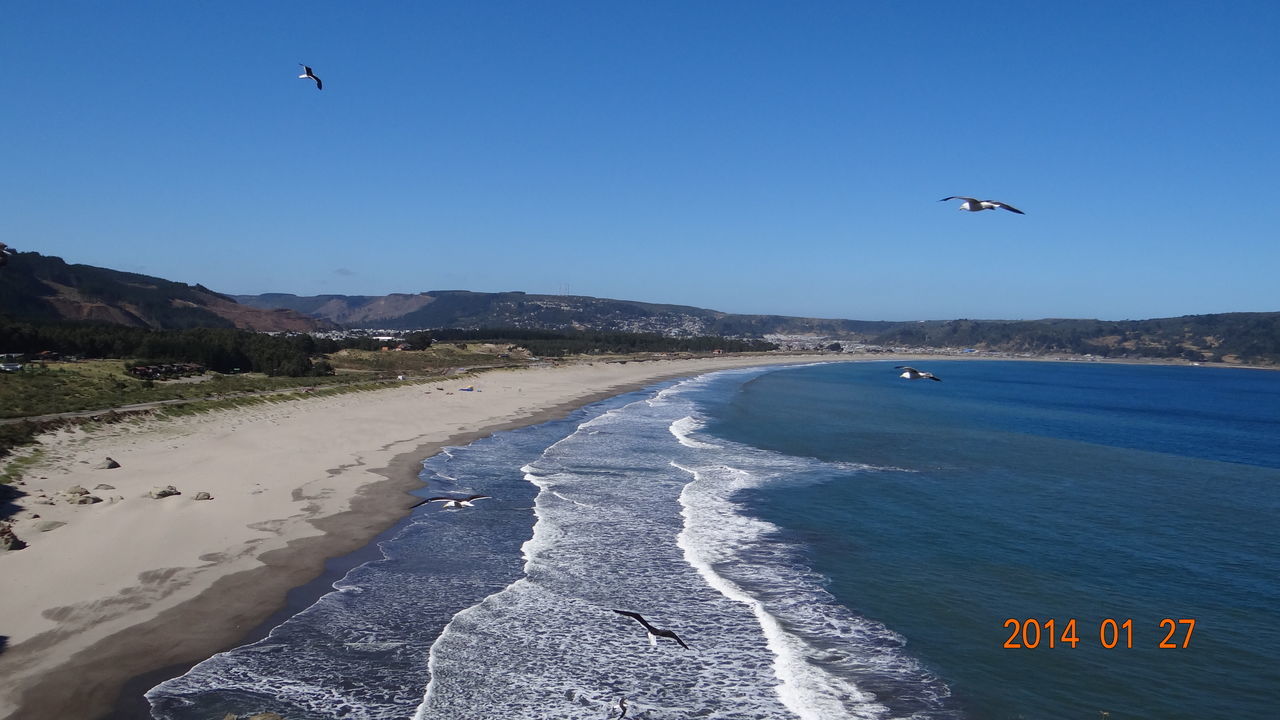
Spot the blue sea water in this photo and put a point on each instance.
(831, 542)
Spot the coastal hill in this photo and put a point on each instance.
(465, 309)
(42, 288)
(1244, 337)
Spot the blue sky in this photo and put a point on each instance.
(756, 157)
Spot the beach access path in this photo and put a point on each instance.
(134, 584)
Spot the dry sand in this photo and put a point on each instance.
(135, 584)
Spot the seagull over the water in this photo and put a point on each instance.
(309, 74)
(974, 204)
(654, 633)
(453, 502)
(911, 373)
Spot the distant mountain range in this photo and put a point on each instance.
(37, 288)
(1227, 337)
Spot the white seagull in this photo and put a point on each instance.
(451, 503)
(309, 74)
(911, 373)
(974, 204)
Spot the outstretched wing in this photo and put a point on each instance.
(931, 376)
(958, 197)
(306, 73)
(1010, 208)
(908, 368)
(431, 500)
(478, 497)
(673, 636)
(636, 616)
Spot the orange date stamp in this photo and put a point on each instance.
(1030, 633)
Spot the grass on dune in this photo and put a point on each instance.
(102, 384)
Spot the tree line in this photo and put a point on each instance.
(228, 350)
(224, 350)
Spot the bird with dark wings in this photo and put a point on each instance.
(654, 633)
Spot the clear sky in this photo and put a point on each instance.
(755, 157)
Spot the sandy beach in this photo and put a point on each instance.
(134, 584)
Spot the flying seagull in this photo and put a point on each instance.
(974, 205)
(309, 74)
(911, 373)
(654, 633)
(5, 252)
(453, 502)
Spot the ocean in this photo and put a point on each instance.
(1020, 540)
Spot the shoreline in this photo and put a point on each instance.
(400, 468)
(144, 635)
(117, 639)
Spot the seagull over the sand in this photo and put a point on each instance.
(974, 204)
(654, 633)
(308, 74)
(911, 373)
(450, 502)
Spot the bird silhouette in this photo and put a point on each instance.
(450, 502)
(974, 204)
(309, 74)
(654, 633)
(911, 373)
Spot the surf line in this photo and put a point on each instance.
(809, 700)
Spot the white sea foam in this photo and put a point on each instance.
(607, 517)
(683, 430)
(714, 528)
(822, 649)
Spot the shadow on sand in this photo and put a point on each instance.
(8, 494)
